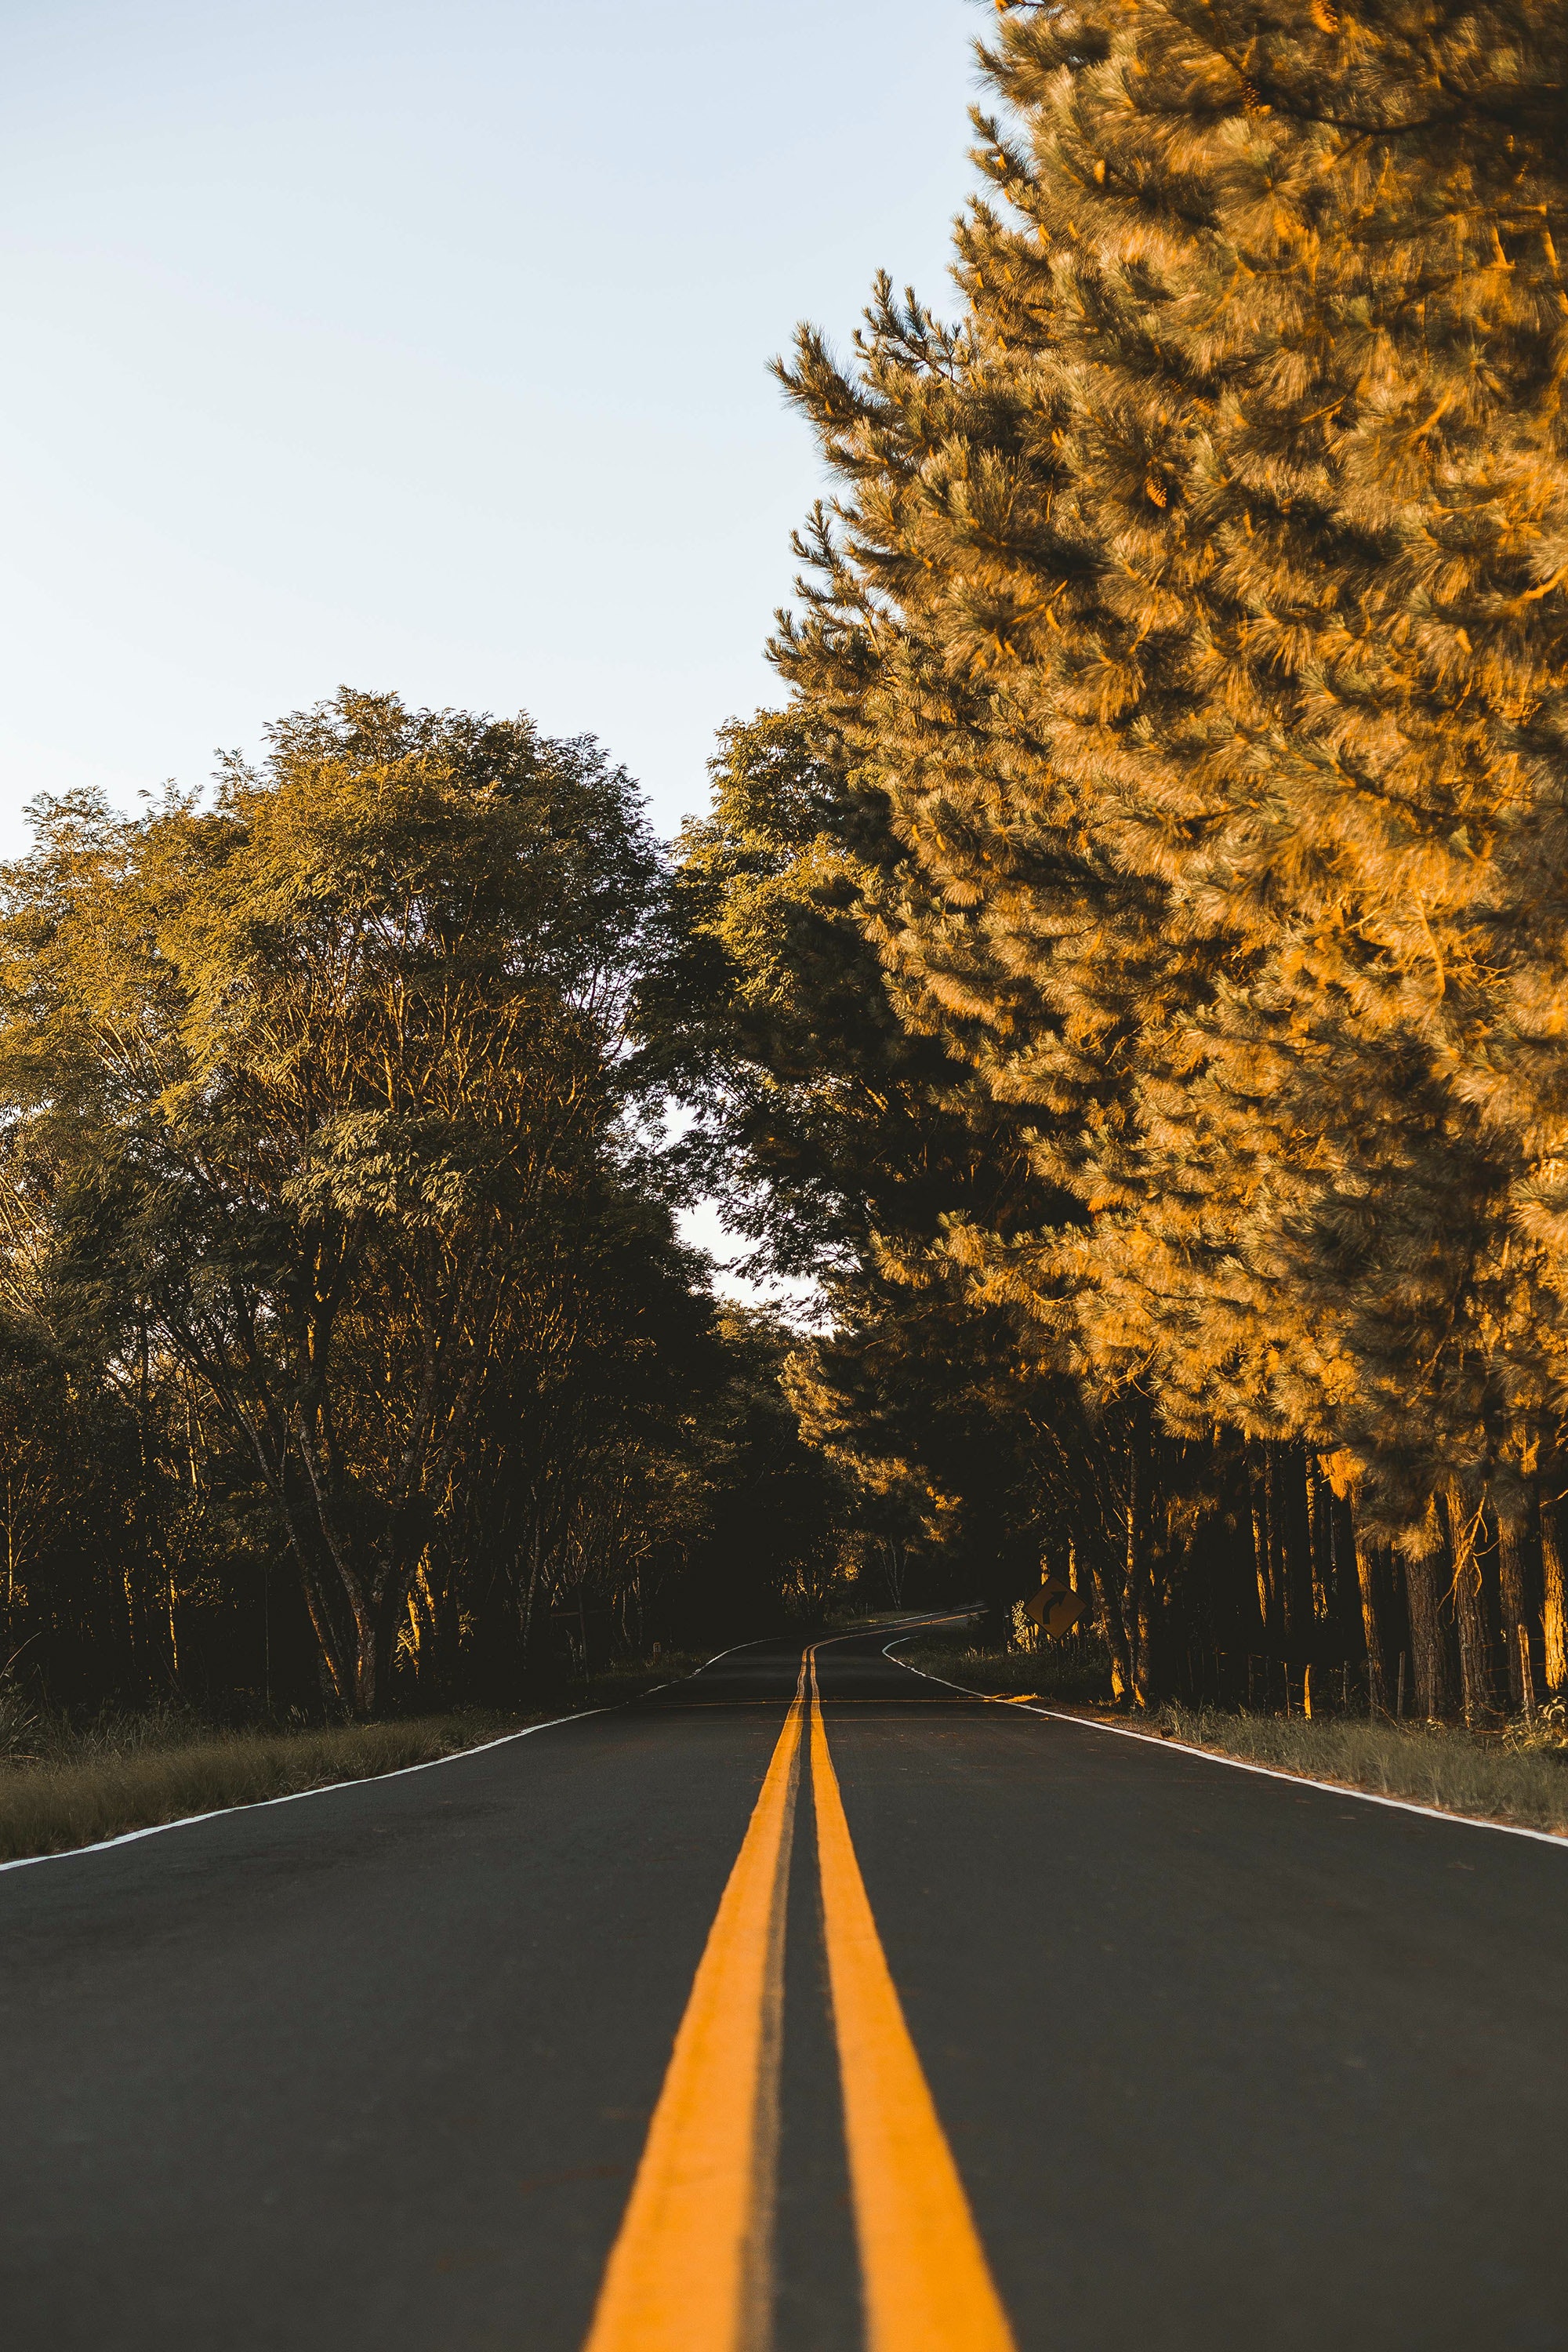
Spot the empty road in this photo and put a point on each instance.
(990, 2029)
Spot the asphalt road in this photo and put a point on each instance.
(1223, 2061)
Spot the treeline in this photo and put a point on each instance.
(347, 1351)
(1135, 966)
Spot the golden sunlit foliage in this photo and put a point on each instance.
(1183, 664)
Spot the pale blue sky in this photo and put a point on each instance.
(424, 346)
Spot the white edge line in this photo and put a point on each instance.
(327, 1789)
(1238, 1763)
(754, 1643)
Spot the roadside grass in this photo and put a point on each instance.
(135, 1773)
(1076, 1672)
(1518, 1774)
(65, 1784)
(1504, 1776)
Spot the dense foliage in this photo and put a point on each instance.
(1181, 672)
(342, 1306)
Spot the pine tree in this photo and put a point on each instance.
(1227, 528)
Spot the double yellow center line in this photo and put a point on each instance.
(691, 2270)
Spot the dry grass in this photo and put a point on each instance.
(138, 1771)
(1507, 1777)
(65, 1784)
(1518, 1775)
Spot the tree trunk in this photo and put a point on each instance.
(1461, 1522)
(336, 1654)
(367, 1653)
(1278, 1594)
(1511, 1595)
(1262, 1554)
(1108, 1570)
(1140, 1567)
(1319, 1519)
(1424, 1580)
(1551, 1612)
(1289, 1511)
(1366, 1567)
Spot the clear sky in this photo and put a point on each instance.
(424, 346)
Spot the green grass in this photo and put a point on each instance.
(65, 1784)
(1518, 1775)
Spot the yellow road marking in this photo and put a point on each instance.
(926, 2281)
(690, 2271)
(692, 2268)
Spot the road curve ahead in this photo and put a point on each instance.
(987, 2029)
